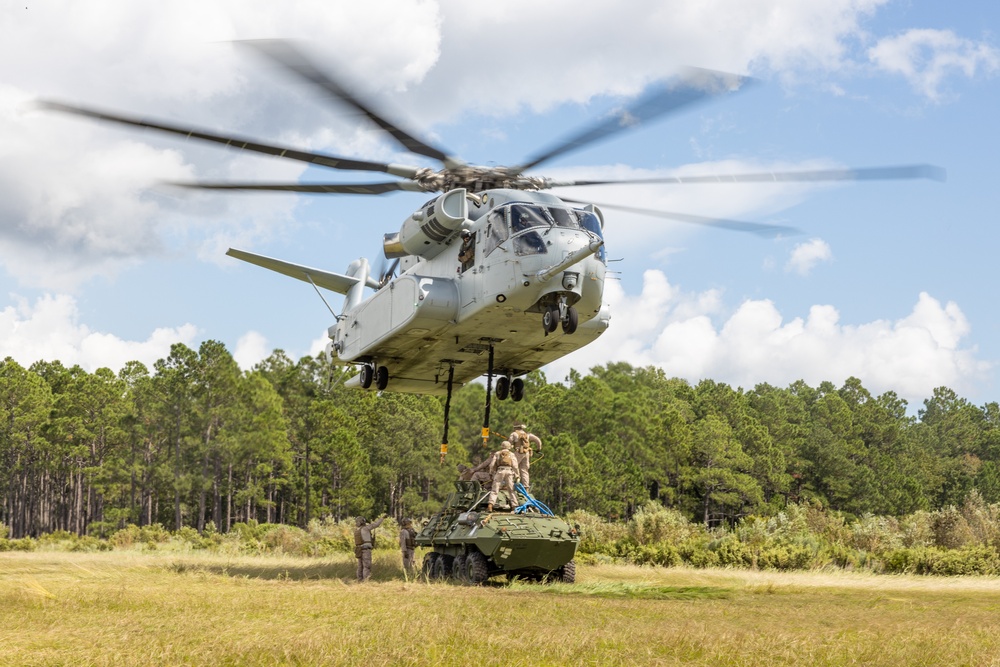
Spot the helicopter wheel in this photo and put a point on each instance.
(503, 387)
(550, 320)
(382, 378)
(569, 324)
(517, 389)
(367, 375)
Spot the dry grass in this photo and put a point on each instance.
(133, 608)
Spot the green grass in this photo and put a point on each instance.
(159, 608)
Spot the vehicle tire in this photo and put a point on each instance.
(442, 567)
(367, 375)
(382, 378)
(568, 573)
(476, 569)
(503, 387)
(517, 389)
(550, 320)
(572, 319)
(458, 568)
(427, 569)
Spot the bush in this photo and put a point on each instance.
(951, 530)
(655, 524)
(23, 544)
(876, 534)
(978, 560)
(596, 534)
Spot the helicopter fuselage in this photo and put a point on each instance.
(532, 253)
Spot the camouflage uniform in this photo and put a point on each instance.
(521, 442)
(503, 465)
(476, 474)
(407, 543)
(364, 541)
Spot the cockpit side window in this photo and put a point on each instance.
(496, 230)
(592, 224)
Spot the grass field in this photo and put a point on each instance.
(139, 608)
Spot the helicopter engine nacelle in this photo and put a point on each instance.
(425, 233)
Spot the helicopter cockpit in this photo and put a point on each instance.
(527, 223)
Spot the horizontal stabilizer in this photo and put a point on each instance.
(325, 279)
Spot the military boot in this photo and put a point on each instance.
(489, 508)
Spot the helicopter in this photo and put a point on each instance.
(494, 275)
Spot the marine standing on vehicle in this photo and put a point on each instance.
(503, 465)
(521, 442)
(364, 542)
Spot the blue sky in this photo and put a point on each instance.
(889, 281)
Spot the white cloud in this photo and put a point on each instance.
(50, 330)
(926, 57)
(251, 348)
(682, 333)
(805, 256)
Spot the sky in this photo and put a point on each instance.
(892, 282)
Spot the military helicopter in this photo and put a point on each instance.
(493, 276)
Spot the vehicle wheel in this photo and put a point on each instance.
(458, 568)
(476, 569)
(517, 389)
(442, 567)
(572, 319)
(382, 378)
(427, 569)
(568, 573)
(503, 387)
(550, 320)
(367, 375)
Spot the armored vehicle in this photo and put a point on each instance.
(520, 540)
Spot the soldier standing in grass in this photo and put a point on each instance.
(407, 544)
(521, 442)
(503, 465)
(364, 542)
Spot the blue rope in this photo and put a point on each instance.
(532, 502)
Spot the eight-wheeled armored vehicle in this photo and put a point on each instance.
(472, 545)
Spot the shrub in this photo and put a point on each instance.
(655, 524)
(596, 534)
(876, 534)
(951, 530)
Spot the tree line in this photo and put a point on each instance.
(195, 442)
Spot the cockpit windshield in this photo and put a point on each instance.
(525, 221)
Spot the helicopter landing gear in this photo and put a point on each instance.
(560, 313)
(367, 375)
(550, 320)
(570, 321)
(379, 375)
(503, 387)
(517, 390)
(509, 388)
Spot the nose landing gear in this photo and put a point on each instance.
(560, 313)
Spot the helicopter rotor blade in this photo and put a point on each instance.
(318, 159)
(696, 85)
(286, 54)
(926, 171)
(311, 188)
(760, 229)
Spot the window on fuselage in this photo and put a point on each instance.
(496, 230)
